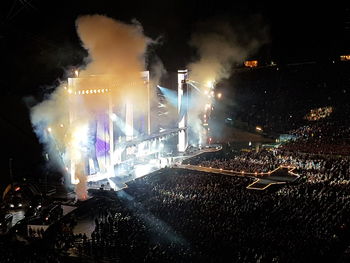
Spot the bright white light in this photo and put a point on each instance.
(76, 73)
(112, 184)
(219, 95)
(79, 141)
(70, 91)
(210, 84)
(49, 129)
(141, 170)
(114, 117)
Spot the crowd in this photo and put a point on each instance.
(180, 216)
(183, 216)
(177, 215)
(278, 97)
(251, 162)
(328, 137)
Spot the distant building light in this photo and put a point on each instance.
(251, 63)
(345, 58)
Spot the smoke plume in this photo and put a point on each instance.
(116, 52)
(219, 46)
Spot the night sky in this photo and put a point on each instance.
(39, 43)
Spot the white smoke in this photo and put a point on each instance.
(116, 51)
(219, 46)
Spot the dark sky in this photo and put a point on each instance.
(38, 39)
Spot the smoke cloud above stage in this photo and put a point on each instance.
(116, 51)
(219, 45)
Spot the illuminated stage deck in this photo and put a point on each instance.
(281, 175)
(118, 182)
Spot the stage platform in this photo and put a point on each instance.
(282, 175)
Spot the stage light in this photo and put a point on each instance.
(219, 95)
(113, 117)
(210, 84)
